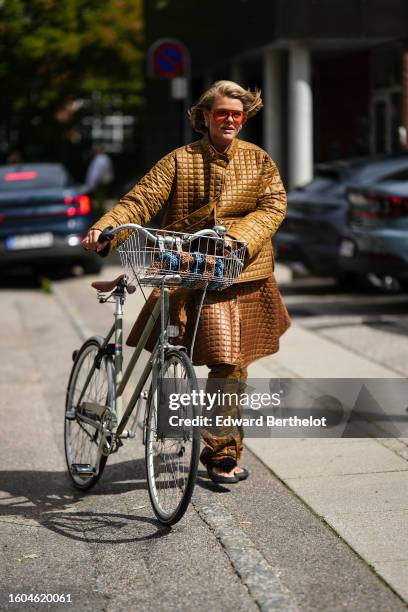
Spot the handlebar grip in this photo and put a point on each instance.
(106, 235)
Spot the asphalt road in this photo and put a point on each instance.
(105, 548)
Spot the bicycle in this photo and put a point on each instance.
(96, 416)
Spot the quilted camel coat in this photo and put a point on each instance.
(242, 190)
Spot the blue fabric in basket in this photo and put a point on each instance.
(171, 262)
(218, 273)
(199, 263)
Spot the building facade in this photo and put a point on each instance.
(331, 72)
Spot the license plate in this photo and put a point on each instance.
(347, 248)
(30, 241)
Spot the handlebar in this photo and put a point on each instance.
(109, 232)
(174, 240)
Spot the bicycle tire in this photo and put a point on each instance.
(172, 464)
(82, 440)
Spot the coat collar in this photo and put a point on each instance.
(213, 154)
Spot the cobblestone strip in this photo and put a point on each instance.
(263, 584)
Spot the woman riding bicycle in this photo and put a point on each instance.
(217, 180)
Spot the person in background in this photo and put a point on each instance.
(99, 176)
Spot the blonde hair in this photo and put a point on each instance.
(251, 101)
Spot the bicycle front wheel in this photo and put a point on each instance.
(83, 444)
(172, 456)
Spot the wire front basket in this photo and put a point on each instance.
(187, 260)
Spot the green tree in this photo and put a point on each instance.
(54, 51)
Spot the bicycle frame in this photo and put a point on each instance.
(163, 259)
(119, 412)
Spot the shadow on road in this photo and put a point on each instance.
(25, 277)
(302, 300)
(205, 483)
(323, 286)
(50, 500)
(103, 527)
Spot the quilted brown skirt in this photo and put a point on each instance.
(237, 326)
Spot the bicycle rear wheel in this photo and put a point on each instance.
(172, 456)
(83, 451)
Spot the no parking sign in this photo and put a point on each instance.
(168, 59)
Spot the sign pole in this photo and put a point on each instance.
(168, 58)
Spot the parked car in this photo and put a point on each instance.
(377, 241)
(43, 217)
(316, 217)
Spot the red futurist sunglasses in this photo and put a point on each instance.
(221, 114)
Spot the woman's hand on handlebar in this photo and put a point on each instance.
(90, 242)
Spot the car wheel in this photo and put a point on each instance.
(92, 266)
(387, 283)
(350, 281)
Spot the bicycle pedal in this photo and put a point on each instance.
(82, 469)
(116, 446)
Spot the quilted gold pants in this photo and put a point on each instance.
(223, 445)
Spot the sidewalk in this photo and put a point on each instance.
(358, 486)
